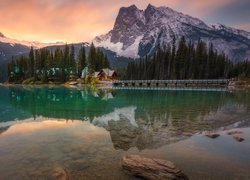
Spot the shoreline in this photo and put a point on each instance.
(233, 84)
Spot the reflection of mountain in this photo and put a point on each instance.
(127, 131)
(125, 135)
(118, 114)
(142, 119)
(3, 129)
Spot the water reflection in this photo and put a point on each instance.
(141, 119)
(87, 131)
(3, 129)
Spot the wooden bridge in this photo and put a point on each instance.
(172, 83)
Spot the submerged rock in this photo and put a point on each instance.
(236, 135)
(212, 135)
(151, 168)
(238, 138)
(234, 132)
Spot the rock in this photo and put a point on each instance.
(151, 168)
(60, 174)
(236, 135)
(238, 138)
(234, 132)
(212, 135)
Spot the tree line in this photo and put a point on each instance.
(187, 61)
(59, 66)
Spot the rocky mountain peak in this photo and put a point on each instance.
(137, 33)
(150, 7)
(130, 21)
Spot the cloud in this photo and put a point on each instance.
(82, 20)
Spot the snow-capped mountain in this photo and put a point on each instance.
(137, 33)
(11, 47)
(34, 44)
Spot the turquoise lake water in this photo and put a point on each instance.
(87, 131)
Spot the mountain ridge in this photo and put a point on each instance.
(137, 33)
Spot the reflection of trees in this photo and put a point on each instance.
(184, 110)
(154, 134)
(124, 135)
(175, 107)
(60, 102)
(160, 117)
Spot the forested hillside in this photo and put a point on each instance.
(187, 61)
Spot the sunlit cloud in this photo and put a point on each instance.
(82, 20)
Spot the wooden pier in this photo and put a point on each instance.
(172, 83)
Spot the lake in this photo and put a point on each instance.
(86, 131)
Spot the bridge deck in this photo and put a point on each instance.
(172, 88)
(175, 82)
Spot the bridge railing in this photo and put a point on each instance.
(189, 81)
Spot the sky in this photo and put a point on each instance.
(81, 20)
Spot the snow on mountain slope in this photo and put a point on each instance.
(239, 32)
(137, 33)
(34, 44)
(130, 51)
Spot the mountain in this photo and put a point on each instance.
(35, 44)
(114, 60)
(13, 48)
(137, 33)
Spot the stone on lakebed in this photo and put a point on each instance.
(238, 138)
(236, 135)
(151, 168)
(212, 135)
(234, 132)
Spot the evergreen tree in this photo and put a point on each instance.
(72, 62)
(92, 58)
(82, 62)
(31, 62)
(188, 62)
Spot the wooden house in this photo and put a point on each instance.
(106, 75)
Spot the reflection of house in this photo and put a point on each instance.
(106, 74)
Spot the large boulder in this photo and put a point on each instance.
(151, 168)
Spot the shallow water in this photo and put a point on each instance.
(86, 131)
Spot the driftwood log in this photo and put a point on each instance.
(151, 168)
